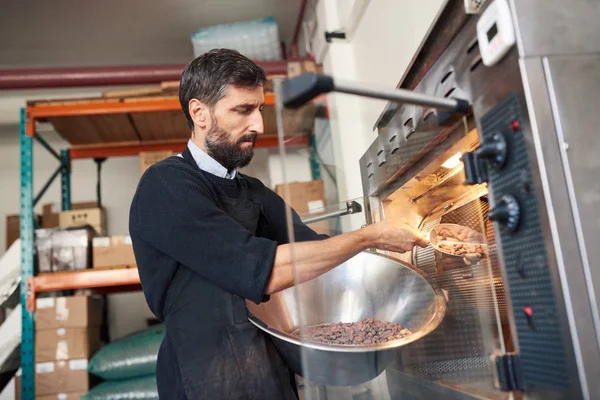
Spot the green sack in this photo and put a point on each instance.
(143, 388)
(129, 357)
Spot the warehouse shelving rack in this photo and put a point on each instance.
(95, 128)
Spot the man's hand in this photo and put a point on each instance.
(396, 236)
(311, 259)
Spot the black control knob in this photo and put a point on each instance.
(494, 150)
(507, 213)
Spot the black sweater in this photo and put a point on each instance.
(175, 221)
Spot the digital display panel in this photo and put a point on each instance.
(491, 33)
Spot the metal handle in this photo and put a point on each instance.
(352, 207)
(302, 89)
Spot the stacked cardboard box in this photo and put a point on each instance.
(93, 217)
(307, 198)
(113, 251)
(51, 212)
(148, 158)
(67, 335)
(13, 231)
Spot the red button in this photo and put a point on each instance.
(528, 311)
(515, 126)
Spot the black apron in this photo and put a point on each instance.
(210, 350)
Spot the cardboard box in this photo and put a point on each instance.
(68, 312)
(306, 197)
(66, 343)
(52, 210)
(62, 396)
(67, 376)
(148, 158)
(18, 384)
(113, 251)
(93, 217)
(50, 215)
(57, 396)
(64, 249)
(13, 230)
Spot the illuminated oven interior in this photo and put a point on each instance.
(476, 326)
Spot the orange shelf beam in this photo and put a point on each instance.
(41, 111)
(134, 149)
(84, 279)
(126, 149)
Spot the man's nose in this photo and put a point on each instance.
(256, 123)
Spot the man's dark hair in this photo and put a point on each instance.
(207, 76)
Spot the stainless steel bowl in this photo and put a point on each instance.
(369, 285)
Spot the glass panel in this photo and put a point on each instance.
(387, 323)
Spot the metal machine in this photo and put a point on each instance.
(493, 127)
(520, 168)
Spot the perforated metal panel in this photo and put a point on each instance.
(460, 348)
(542, 353)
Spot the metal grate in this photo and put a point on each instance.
(459, 364)
(463, 343)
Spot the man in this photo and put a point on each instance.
(207, 237)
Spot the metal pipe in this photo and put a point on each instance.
(352, 207)
(396, 95)
(325, 216)
(294, 43)
(105, 76)
(301, 89)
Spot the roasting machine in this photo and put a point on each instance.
(492, 129)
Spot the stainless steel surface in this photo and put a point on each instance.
(369, 285)
(450, 75)
(575, 94)
(556, 27)
(437, 185)
(569, 109)
(552, 80)
(397, 95)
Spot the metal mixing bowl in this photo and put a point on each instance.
(369, 285)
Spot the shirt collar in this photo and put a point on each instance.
(208, 164)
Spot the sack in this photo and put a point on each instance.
(143, 388)
(129, 357)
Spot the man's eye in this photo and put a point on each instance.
(261, 108)
(245, 111)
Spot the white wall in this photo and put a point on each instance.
(380, 51)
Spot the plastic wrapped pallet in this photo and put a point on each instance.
(129, 357)
(256, 39)
(143, 388)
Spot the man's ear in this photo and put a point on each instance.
(199, 112)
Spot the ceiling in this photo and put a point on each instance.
(54, 33)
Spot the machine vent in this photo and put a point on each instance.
(446, 76)
(476, 63)
(472, 46)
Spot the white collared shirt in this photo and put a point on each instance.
(208, 164)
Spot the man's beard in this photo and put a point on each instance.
(229, 155)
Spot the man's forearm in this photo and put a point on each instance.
(311, 259)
